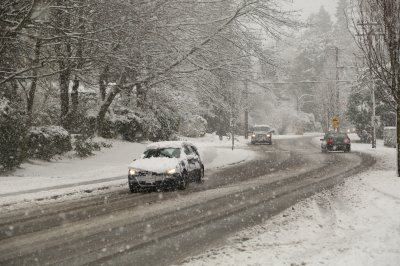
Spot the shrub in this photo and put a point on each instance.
(193, 126)
(151, 127)
(390, 137)
(88, 126)
(46, 142)
(159, 124)
(128, 126)
(169, 122)
(84, 145)
(12, 133)
(108, 128)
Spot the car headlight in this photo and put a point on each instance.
(171, 171)
(254, 135)
(132, 171)
(268, 135)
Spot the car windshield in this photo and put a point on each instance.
(335, 135)
(163, 152)
(261, 128)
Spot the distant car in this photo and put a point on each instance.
(261, 134)
(336, 141)
(171, 164)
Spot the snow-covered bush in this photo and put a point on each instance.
(305, 122)
(159, 124)
(169, 123)
(389, 136)
(151, 127)
(193, 126)
(88, 125)
(84, 146)
(12, 133)
(47, 142)
(108, 128)
(128, 125)
(288, 122)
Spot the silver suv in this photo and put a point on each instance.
(261, 134)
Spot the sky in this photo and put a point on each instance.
(312, 6)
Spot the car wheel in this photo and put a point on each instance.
(183, 182)
(200, 176)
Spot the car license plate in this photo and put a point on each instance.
(334, 147)
(147, 178)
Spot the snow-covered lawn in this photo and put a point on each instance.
(106, 169)
(357, 223)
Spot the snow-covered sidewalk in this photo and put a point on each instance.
(357, 223)
(107, 169)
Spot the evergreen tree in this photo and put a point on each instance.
(321, 22)
(12, 135)
(359, 107)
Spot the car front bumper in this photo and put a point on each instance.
(151, 181)
(261, 139)
(338, 147)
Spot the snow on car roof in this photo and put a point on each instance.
(167, 144)
(261, 126)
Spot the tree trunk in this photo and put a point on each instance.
(107, 102)
(398, 139)
(79, 65)
(32, 90)
(126, 96)
(104, 108)
(140, 95)
(63, 52)
(103, 82)
(74, 96)
(64, 95)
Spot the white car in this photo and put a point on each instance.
(169, 164)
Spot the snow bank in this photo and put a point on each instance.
(107, 169)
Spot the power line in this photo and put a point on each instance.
(305, 82)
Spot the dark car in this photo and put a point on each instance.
(261, 134)
(336, 141)
(170, 164)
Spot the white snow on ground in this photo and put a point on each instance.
(107, 169)
(356, 223)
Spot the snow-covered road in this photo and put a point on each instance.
(162, 228)
(356, 223)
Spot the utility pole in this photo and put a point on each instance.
(246, 111)
(336, 94)
(336, 84)
(373, 118)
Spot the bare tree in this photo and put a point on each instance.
(143, 44)
(377, 27)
